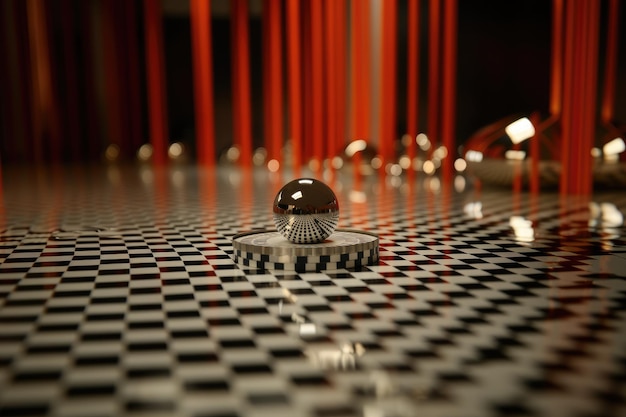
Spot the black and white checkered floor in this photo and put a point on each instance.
(119, 296)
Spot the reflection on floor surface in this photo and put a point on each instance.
(119, 296)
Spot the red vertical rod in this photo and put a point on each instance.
(200, 14)
(610, 67)
(566, 117)
(589, 101)
(579, 85)
(387, 105)
(556, 81)
(360, 70)
(242, 116)
(448, 105)
(294, 79)
(579, 96)
(274, 80)
(317, 77)
(265, 73)
(433, 69)
(235, 86)
(307, 89)
(330, 73)
(155, 72)
(276, 75)
(412, 73)
(578, 106)
(341, 68)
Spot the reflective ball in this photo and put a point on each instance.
(306, 211)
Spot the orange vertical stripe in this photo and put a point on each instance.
(354, 32)
(556, 76)
(307, 89)
(578, 86)
(566, 115)
(317, 76)
(412, 73)
(360, 70)
(590, 100)
(265, 73)
(387, 105)
(277, 77)
(242, 116)
(341, 68)
(235, 86)
(579, 96)
(330, 73)
(155, 73)
(274, 74)
(582, 95)
(294, 80)
(448, 105)
(433, 70)
(200, 14)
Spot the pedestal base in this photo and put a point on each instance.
(270, 250)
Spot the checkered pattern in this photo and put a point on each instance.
(355, 259)
(119, 295)
(270, 250)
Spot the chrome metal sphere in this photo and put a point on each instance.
(306, 211)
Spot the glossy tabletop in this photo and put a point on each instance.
(119, 296)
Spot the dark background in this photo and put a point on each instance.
(503, 69)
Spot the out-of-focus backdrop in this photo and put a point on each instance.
(296, 81)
